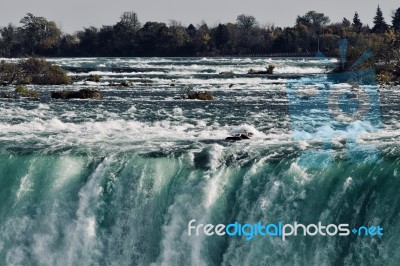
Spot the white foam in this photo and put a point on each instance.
(347, 183)
(66, 170)
(25, 186)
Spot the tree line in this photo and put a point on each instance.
(313, 31)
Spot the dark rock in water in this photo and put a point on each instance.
(240, 136)
(77, 78)
(93, 78)
(81, 94)
(231, 85)
(7, 95)
(256, 72)
(200, 95)
(290, 76)
(126, 83)
(146, 81)
(197, 95)
(227, 73)
(269, 71)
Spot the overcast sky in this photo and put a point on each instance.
(73, 15)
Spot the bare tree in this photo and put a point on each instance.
(130, 19)
(174, 23)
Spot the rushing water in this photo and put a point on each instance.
(116, 181)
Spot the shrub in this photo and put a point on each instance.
(11, 73)
(25, 92)
(386, 77)
(43, 72)
(32, 71)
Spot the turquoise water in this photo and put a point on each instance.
(116, 181)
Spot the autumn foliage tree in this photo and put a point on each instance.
(39, 35)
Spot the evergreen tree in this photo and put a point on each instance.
(380, 26)
(191, 30)
(396, 20)
(221, 36)
(346, 22)
(357, 25)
